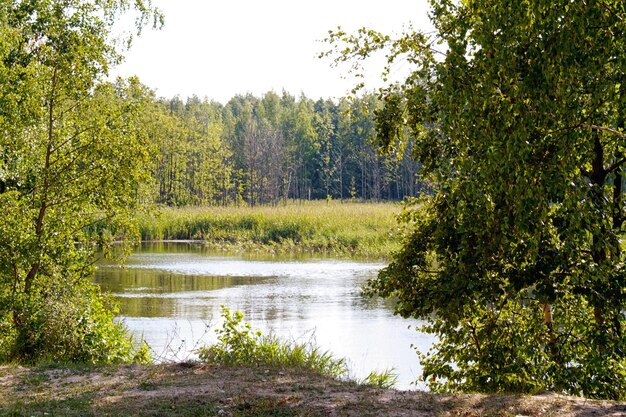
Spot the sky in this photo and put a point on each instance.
(218, 49)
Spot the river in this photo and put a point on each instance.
(171, 294)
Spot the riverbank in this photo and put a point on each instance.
(330, 227)
(191, 389)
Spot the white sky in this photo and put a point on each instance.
(218, 49)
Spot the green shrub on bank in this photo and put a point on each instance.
(73, 323)
(238, 344)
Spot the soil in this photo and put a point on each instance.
(187, 389)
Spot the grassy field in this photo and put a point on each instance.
(356, 229)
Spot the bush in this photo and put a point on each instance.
(238, 344)
(68, 323)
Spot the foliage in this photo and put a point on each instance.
(517, 260)
(264, 150)
(71, 156)
(192, 165)
(239, 345)
(72, 324)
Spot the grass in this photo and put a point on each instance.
(239, 345)
(348, 228)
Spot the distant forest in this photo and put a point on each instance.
(270, 149)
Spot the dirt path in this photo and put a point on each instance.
(203, 390)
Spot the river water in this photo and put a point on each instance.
(171, 294)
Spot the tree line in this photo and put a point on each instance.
(264, 150)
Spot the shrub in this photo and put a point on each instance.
(68, 323)
(238, 344)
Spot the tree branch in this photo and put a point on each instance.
(605, 129)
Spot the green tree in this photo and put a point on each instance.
(167, 133)
(325, 132)
(516, 111)
(193, 163)
(71, 158)
(210, 163)
(302, 146)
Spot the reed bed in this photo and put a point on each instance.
(348, 228)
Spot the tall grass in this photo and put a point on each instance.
(239, 345)
(358, 229)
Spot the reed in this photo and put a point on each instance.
(355, 229)
(239, 345)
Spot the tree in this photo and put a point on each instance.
(209, 163)
(72, 158)
(325, 132)
(516, 261)
(300, 143)
(193, 163)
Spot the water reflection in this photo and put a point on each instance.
(172, 292)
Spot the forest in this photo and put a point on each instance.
(264, 150)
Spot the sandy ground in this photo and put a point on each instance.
(224, 391)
